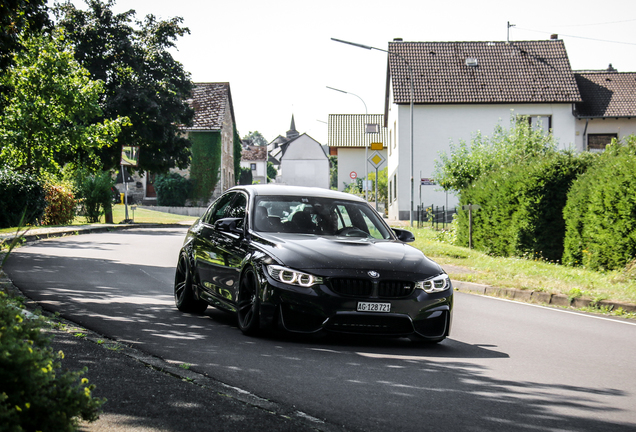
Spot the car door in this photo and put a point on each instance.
(218, 253)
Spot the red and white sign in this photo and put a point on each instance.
(353, 175)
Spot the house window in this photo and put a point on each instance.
(395, 136)
(538, 122)
(394, 187)
(597, 142)
(253, 166)
(372, 128)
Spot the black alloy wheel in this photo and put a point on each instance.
(184, 297)
(248, 303)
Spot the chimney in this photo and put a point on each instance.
(554, 36)
(398, 40)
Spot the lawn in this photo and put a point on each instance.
(142, 215)
(522, 273)
(139, 215)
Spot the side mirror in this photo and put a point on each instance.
(228, 225)
(404, 235)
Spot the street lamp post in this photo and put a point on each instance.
(408, 66)
(366, 147)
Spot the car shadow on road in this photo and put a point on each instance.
(452, 383)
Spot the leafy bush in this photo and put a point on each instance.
(601, 211)
(95, 194)
(272, 172)
(35, 394)
(20, 194)
(172, 190)
(466, 164)
(246, 177)
(60, 205)
(521, 209)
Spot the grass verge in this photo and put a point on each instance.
(522, 273)
(139, 215)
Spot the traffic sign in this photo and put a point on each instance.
(376, 159)
(353, 175)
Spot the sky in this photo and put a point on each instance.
(279, 58)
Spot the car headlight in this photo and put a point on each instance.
(293, 277)
(435, 284)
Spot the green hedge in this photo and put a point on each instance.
(20, 195)
(601, 211)
(172, 190)
(521, 210)
(206, 162)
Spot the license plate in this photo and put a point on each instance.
(374, 307)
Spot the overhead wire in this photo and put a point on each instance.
(577, 37)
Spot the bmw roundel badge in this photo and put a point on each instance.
(373, 274)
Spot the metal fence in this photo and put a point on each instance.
(437, 216)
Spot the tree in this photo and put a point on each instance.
(18, 19)
(141, 78)
(333, 172)
(466, 164)
(50, 117)
(255, 138)
(272, 172)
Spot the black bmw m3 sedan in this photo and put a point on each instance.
(309, 260)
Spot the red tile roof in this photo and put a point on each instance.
(254, 153)
(209, 101)
(606, 94)
(483, 72)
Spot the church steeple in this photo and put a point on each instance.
(292, 132)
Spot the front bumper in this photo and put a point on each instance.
(319, 308)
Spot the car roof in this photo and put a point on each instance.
(304, 191)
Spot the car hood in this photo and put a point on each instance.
(346, 255)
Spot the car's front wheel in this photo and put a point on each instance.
(184, 297)
(249, 303)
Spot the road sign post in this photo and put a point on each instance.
(376, 160)
(470, 208)
(129, 157)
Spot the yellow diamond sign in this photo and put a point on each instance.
(376, 159)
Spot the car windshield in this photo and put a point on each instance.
(318, 216)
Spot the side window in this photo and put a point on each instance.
(237, 209)
(219, 208)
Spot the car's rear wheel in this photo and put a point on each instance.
(248, 303)
(184, 297)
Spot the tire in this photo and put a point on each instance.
(184, 297)
(248, 303)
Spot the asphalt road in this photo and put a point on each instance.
(507, 366)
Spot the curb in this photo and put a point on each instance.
(540, 297)
(44, 233)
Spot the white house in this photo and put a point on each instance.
(608, 109)
(350, 138)
(304, 163)
(255, 158)
(461, 88)
(299, 159)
